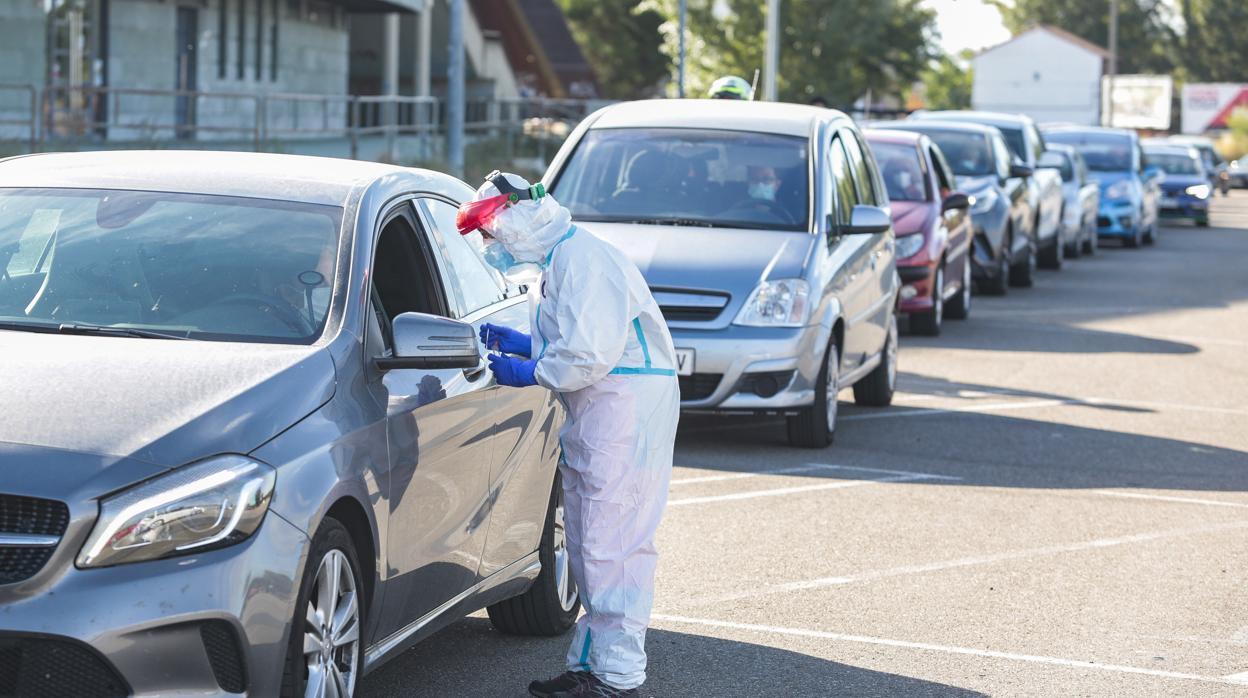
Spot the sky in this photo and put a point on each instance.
(967, 24)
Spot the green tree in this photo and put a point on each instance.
(835, 50)
(623, 44)
(1214, 44)
(947, 83)
(1147, 41)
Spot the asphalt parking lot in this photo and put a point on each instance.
(1057, 504)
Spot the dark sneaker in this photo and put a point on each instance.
(560, 684)
(595, 688)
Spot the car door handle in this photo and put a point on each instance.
(476, 371)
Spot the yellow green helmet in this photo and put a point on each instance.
(730, 87)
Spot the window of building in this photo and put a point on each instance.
(259, 40)
(273, 54)
(242, 39)
(223, 41)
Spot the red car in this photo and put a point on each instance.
(932, 221)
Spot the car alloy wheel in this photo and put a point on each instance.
(966, 288)
(890, 353)
(331, 636)
(938, 296)
(833, 388)
(563, 566)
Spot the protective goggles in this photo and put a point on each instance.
(476, 215)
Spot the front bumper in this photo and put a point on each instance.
(736, 369)
(920, 279)
(203, 624)
(1186, 206)
(1117, 219)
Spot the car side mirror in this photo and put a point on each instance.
(867, 220)
(955, 200)
(429, 342)
(1153, 172)
(1020, 170)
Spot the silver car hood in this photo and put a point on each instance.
(163, 402)
(714, 259)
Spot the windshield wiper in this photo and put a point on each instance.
(687, 222)
(105, 331)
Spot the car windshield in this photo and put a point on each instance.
(1103, 152)
(729, 179)
(968, 153)
(899, 165)
(157, 264)
(1175, 164)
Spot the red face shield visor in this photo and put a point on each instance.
(476, 215)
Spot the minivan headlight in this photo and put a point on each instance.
(210, 504)
(984, 201)
(780, 303)
(909, 245)
(1118, 190)
(1200, 191)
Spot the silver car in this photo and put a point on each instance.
(764, 233)
(1081, 197)
(249, 445)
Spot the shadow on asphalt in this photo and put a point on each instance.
(1055, 338)
(471, 659)
(997, 450)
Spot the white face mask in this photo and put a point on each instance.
(763, 190)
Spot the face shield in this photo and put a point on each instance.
(480, 214)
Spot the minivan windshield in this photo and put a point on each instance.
(967, 152)
(165, 265)
(1174, 163)
(697, 177)
(1102, 152)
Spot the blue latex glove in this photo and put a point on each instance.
(509, 370)
(504, 339)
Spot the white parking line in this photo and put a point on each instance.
(1237, 678)
(1164, 498)
(924, 412)
(941, 565)
(804, 468)
(947, 649)
(839, 485)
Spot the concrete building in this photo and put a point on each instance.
(1045, 72)
(125, 70)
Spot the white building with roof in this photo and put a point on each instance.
(1046, 73)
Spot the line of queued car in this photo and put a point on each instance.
(297, 464)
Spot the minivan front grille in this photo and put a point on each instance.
(680, 305)
(23, 520)
(684, 313)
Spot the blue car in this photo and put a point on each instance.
(1185, 192)
(1129, 190)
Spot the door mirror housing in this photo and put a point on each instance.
(955, 200)
(1153, 172)
(430, 342)
(863, 220)
(1020, 170)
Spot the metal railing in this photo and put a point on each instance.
(19, 114)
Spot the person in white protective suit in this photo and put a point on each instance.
(600, 343)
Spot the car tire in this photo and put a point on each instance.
(1151, 235)
(1202, 222)
(1091, 242)
(1022, 272)
(876, 389)
(929, 322)
(1135, 240)
(959, 307)
(332, 556)
(551, 604)
(1052, 256)
(999, 284)
(815, 426)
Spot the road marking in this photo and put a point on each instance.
(923, 412)
(973, 561)
(840, 485)
(1163, 498)
(1237, 678)
(947, 649)
(804, 468)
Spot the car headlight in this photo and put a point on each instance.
(1200, 191)
(984, 201)
(210, 504)
(1118, 190)
(780, 303)
(909, 245)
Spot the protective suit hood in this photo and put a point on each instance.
(527, 229)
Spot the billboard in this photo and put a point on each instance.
(1137, 101)
(1206, 106)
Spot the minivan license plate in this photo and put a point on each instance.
(684, 362)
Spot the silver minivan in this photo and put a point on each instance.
(763, 230)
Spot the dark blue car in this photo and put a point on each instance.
(1185, 191)
(1129, 190)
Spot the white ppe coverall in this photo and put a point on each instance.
(603, 347)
